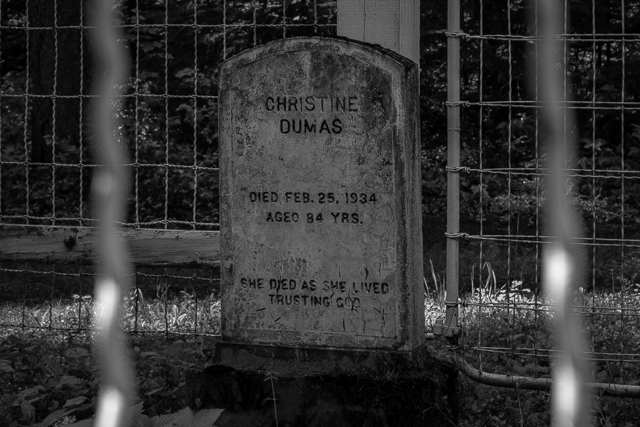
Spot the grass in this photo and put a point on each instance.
(184, 314)
(50, 379)
(508, 330)
(48, 366)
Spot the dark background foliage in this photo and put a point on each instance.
(169, 114)
(159, 129)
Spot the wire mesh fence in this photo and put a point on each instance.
(168, 125)
(505, 317)
(166, 301)
(169, 106)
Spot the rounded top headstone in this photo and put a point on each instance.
(335, 45)
(320, 197)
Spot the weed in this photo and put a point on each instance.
(270, 377)
(47, 369)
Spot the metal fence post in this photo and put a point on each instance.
(453, 167)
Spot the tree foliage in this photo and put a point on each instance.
(170, 114)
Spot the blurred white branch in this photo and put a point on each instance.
(109, 192)
(562, 274)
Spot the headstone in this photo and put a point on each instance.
(320, 196)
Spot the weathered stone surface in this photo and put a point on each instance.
(320, 201)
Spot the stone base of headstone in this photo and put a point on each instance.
(288, 386)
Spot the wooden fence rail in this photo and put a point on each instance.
(77, 245)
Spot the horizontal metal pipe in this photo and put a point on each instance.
(541, 384)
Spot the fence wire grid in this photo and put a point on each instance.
(169, 126)
(168, 116)
(505, 318)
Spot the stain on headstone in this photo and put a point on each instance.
(320, 202)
